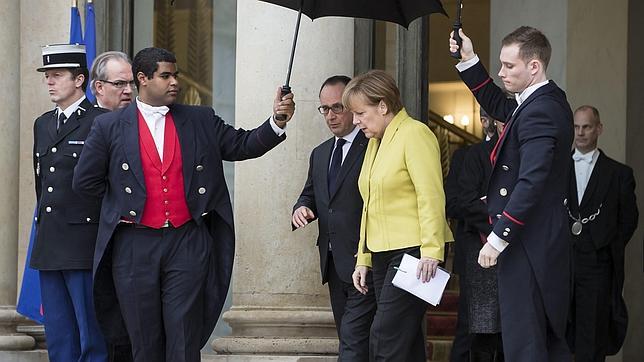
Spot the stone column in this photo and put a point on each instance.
(9, 151)
(280, 307)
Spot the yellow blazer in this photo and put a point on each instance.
(401, 184)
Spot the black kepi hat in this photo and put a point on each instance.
(63, 56)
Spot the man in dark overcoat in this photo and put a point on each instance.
(603, 217)
(331, 196)
(165, 245)
(530, 236)
(66, 224)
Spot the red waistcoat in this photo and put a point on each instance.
(165, 199)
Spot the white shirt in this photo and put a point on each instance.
(584, 165)
(71, 109)
(155, 119)
(347, 145)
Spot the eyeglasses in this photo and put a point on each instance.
(119, 83)
(335, 108)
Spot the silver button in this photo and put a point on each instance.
(167, 213)
(565, 202)
(89, 219)
(164, 177)
(507, 229)
(52, 169)
(132, 213)
(165, 189)
(50, 189)
(503, 192)
(128, 190)
(498, 216)
(54, 149)
(35, 218)
(505, 167)
(48, 209)
(125, 166)
(505, 233)
(202, 190)
(37, 154)
(199, 168)
(74, 155)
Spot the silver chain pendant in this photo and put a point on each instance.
(576, 228)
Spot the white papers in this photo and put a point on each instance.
(405, 279)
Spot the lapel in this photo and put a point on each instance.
(323, 160)
(130, 132)
(573, 201)
(356, 149)
(187, 141)
(542, 90)
(387, 138)
(598, 182)
(72, 123)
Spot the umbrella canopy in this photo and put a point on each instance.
(400, 12)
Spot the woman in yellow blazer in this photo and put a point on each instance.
(401, 185)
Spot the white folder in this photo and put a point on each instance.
(405, 279)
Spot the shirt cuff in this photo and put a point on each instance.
(496, 242)
(278, 131)
(463, 66)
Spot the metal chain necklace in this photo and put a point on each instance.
(578, 225)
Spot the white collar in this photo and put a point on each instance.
(351, 136)
(521, 97)
(149, 110)
(72, 108)
(588, 156)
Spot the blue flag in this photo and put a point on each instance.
(29, 302)
(90, 42)
(75, 29)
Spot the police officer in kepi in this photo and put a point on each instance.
(66, 224)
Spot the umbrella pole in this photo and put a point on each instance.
(286, 89)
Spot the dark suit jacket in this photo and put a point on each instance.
(338, 214)
(111, 162)
(526, 193)
(66, 223)
(453, 207)
(612, 187)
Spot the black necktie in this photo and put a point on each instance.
(336, 163)
(61, 120)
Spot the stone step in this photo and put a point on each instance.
(438, 349)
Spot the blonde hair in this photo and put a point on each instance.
(373, 86)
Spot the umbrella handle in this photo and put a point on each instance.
(457, 37)
(285, 90)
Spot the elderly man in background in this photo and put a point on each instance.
(112, 80)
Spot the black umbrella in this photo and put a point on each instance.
(400, 12)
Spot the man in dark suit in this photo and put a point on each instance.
(525, 198)
(331, 196)
(603, 217)
(165, 246)
(66, 224)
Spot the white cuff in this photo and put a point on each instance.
(463, 66)
(278, 131)
(496, 242)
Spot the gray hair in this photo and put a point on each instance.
(99, 66)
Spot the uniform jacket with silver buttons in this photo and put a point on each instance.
(66, 223)
(111, 167)
(526, 192)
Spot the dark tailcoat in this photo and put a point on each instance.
(66, 223)
(453, 207)
(611, 187)
(111, 163)
(525, 199)
(338, 214)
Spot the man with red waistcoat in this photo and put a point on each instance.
(526, 194)
(165, 245)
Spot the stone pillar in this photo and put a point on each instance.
(9, 151)
(280, 307)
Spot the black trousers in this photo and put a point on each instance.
(463, 339)
(593, 275)
(159, 277)
(353, 314)
(396, 332)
